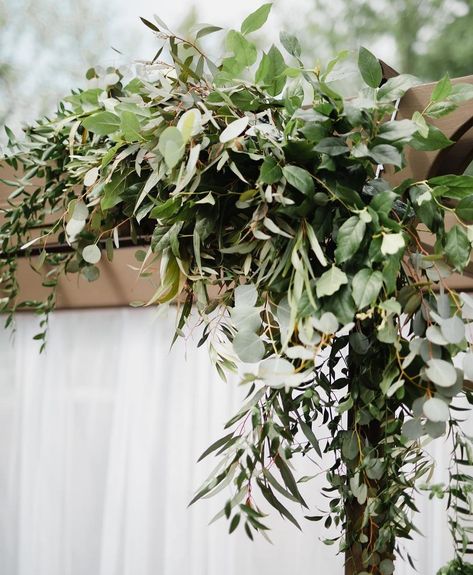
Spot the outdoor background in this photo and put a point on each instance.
(46, 46)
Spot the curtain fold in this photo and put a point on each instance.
(99, 438)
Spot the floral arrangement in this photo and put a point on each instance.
(257, 186)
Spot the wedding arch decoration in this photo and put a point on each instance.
(256, 187)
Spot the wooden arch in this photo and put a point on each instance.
(119, 284)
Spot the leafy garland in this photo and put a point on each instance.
(255, 184)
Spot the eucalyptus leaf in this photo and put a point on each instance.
(441, 372)
(248, 346)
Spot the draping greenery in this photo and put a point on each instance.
(256, 183)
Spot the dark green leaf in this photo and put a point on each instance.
(370, 68)
(270, 171)
(366, 286)
(270, 72)
(299, 179)
(349, 238)
(386, 154)
(464, 209)
(219, 443)
(457, 248)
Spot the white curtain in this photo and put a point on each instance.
(99, 438)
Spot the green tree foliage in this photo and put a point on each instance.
(45, 48)
(427, 38)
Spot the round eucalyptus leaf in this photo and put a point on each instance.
(386, 567)
(80, 211)
(246, 318)
(435, 429)
(300, 352)
(434, 335)
(453, 329)
(74, 227)
(436, 410)
(418, 406)
(278, 372)
(468, 365)
(245, 295)
(453, 390)
(412, 429)
(441, 372)
(91, 254)
(91, 273)
(327, 323)
(248, 346)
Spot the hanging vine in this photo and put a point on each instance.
(254, 183)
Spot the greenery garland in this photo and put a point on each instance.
(257, 180)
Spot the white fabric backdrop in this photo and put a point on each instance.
(99, 438)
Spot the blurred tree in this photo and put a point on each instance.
(422, 37)
(45, 49)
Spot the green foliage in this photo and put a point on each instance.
(245, 188)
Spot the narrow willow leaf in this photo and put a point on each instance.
(271, 499)
(315, 246)
(370, 68)
(275, 485)
(206, 30)
(306, 429)
(234, 129)
(216, 445)
(289, 480)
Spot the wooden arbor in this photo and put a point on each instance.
(119, 285)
